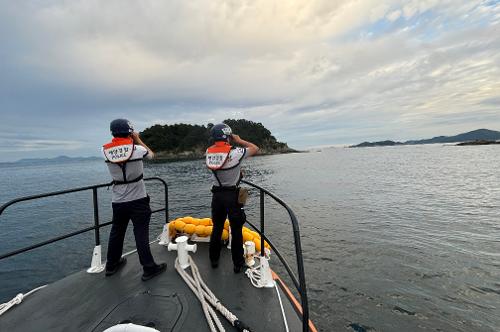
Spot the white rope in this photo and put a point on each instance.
(4, 307)
(195, 286)
(255, 276)
(282, 309)
(204, 294)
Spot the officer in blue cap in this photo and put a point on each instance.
(224, 159)
(124, 155)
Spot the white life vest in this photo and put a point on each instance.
(119, 150)
(217, 155)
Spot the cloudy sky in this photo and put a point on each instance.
(315, 73)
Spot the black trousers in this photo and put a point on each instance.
(140, 213)
(225, 205)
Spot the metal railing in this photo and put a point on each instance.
(97, 225)
(299, 282)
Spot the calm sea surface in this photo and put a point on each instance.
(394, 239)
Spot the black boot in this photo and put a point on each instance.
(110, 270)
(239, 268)
(153, 271)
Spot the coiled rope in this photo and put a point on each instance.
(204, 294)
(4, 307)
(254, 273)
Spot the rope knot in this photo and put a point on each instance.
(18, 299)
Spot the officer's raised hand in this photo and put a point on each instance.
(138, 141)
(252, 149)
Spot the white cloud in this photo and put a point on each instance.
(26, 145)
(394, 15)
(341, 66)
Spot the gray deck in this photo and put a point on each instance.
(93, 302)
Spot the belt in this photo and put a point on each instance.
(218, 189)
(137, 179)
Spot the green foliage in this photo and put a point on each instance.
(176, 138)
(256, 133)
(179, 138)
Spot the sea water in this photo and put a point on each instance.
(394, 238)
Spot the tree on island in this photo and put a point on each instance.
(256, 133)
(190, 141)
(176, 138)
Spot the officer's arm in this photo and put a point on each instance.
(252, 149)
(138, 141)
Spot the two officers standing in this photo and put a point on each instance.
(124, 156)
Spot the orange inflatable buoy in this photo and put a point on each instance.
(189, 228)
(203, 227)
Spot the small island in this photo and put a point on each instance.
(381, 143)
(185, 141)
(478, 142)
(475, 137)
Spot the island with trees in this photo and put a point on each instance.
(186, 141)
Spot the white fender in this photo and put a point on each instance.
(130, 328)
(96, 265)
(165, 237)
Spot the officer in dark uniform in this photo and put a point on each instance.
(124, 155)
(224, 160)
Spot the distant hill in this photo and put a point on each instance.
(59, 159)
(185, 141)
(475, 135)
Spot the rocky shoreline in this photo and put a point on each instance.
(162, 156)
(478, 142)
